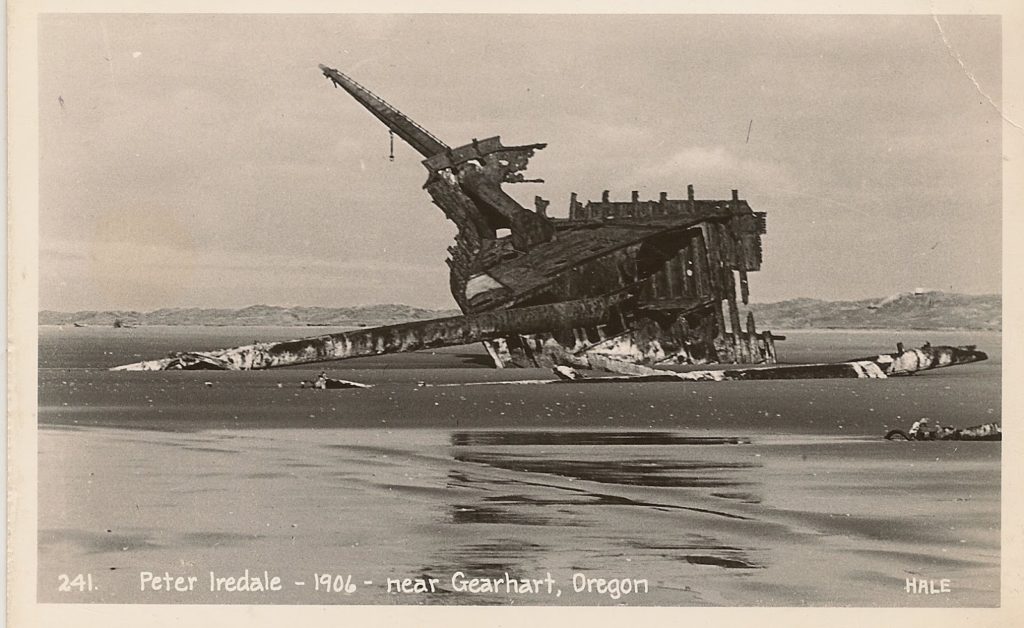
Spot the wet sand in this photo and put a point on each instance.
(737, 494)
(766, 521)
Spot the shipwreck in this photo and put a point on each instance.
(621, 286)
(641, 281)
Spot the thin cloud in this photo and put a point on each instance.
(709, 167)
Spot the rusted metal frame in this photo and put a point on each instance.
(714, 273)
(526, 295)
(683, 305)
(754, 348)
(703, 280)
(424, 142)
(751, 354)
(528, 228)
(723, 276)
(740, 352)
(679, 307)
(739, 261)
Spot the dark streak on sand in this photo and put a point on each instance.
(636, 472)
(585, 439)
(604, 499)
(925, 560)
(746, 498)
(115, 542)
(214, 450)
(461, 513)
(728, 563)
(702, 551)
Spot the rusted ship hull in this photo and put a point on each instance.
(683, 262)
(404, 337)
(675, 270)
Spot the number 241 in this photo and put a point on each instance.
(81, 582)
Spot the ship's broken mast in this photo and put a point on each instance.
(475, 171)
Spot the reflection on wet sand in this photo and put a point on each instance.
(590, 498)
(607, 501)
(515, 557)
(462, 513)
(706, 520)
(637, 472)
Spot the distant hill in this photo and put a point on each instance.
(907, 310)
(252, 315)
(920, 310)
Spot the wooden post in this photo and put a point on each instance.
(752, 345)
(769, 345)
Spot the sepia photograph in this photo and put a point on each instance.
(518, 309)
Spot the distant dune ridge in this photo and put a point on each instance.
(910, 310)
(907, 310)
(270, 315)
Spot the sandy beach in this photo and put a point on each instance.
(721, 494)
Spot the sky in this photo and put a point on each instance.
(204, 161)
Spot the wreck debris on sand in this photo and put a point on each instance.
(985, 432)
(901, 363)
(322, 382)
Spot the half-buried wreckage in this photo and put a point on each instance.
(643, 281)
(618, 285)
